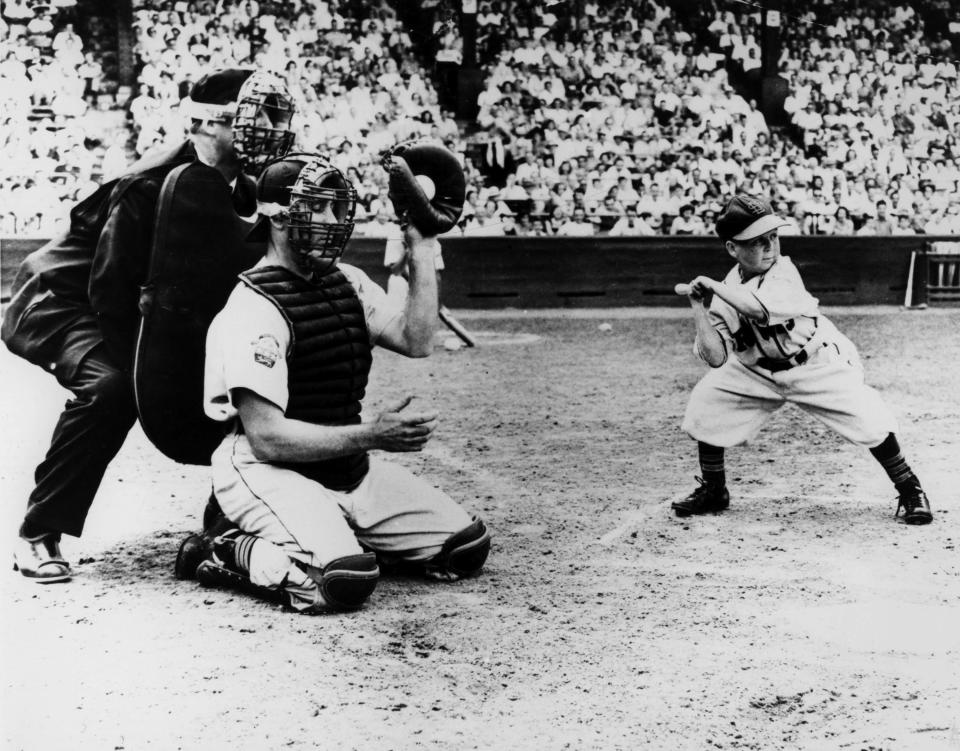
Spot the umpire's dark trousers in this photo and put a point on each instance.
(90, 432)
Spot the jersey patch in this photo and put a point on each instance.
(266, 350)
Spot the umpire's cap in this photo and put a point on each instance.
(212, 96)
(746, 217)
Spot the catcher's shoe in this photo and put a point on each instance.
(706, 499)
(193, 550)
(207, 546)
(39, 559)
(915, 506)
(210, 573)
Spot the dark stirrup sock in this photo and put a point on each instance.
(711, 464)
(891, 459)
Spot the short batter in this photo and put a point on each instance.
(784, 350)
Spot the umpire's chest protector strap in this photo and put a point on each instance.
(329, 359)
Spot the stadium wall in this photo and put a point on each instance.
(551, 272)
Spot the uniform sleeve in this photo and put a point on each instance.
(120, 265)
(379, 310)
(247, 347)
(783, 296)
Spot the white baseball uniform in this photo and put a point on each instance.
(795, 355)
(391, 512)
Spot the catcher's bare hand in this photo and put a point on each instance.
(393, 431)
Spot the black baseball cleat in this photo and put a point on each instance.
(706, 499)
(193, 550)
(915, 505)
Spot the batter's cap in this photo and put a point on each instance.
(746, 217)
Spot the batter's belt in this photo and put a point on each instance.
(815, 342)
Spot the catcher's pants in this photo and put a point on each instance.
(731, 403)
(392, 512)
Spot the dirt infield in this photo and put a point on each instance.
(803, 618)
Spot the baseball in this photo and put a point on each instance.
(682, 289)
(452, 344)
(428, 187)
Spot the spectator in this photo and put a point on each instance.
(578, 225)
(687, 223)
(631, 225)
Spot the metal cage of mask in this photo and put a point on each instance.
(320, 244)
(256, 144)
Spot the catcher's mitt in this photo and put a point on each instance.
(427, 185)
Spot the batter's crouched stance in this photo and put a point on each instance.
(310, 516)
(783, 350)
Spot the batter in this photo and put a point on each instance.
(767, 342)
(287, 363)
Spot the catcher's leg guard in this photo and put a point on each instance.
(463, 554)
(214, 521)
(345, 583)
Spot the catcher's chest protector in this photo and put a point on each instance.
(329, 359)
(198, 251)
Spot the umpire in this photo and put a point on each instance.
(74, 310)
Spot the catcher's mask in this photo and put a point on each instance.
(261, 126)
(257, 106)
(318, 203)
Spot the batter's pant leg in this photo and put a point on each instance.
(730, 405)
(91, 429)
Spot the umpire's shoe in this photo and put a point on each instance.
(915, 505)
(39, 559)
(706, 499)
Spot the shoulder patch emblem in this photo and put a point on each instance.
(266, 350)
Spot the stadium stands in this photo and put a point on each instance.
(623, 107)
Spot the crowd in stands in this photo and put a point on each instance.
(595, 118)
(629, 112)
(54, 135)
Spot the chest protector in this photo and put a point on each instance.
(198, 249)
(328, 362)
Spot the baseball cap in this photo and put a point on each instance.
(273, 192)
(212, 96)
(746, 217)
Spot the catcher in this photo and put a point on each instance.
(767, 342)
(76, 301)
(309, 515)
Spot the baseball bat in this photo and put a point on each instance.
(456, 327)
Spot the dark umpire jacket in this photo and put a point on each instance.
(83, 288)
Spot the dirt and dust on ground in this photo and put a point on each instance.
(805, 617)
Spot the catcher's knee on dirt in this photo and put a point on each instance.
(345, 583)
(463, 554)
